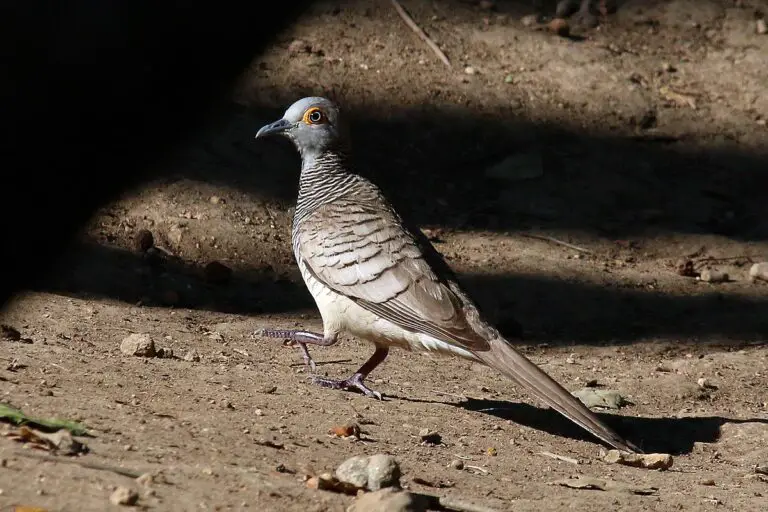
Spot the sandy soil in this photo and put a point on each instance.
(642, 140)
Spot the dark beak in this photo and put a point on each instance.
(277, 127)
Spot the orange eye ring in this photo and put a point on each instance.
(314, 116)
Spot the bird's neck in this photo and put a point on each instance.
(325, 177)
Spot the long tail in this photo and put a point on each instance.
(525, 373)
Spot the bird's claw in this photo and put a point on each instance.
(354, 382)
(307, 358)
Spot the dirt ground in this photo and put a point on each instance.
(643, 140)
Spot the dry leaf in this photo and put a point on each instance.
(660, 461)
(60, 441)
(345, 430)
(588, 482)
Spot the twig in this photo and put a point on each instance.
(556, 241)
(460, 505)
(419, 32)
(477, 468)
(443, 393)
(563, 458)
(88, 465)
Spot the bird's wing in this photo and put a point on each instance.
(363, 252)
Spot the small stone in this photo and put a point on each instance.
(509, 78)
(559, 26)
(604, 398)
(669, 68)
(137, 344)
(383, 471)
(144, 240)
(429, 437)
(529, 20)
(760, 26)
(354, 471)
(759, 271)
(389, 500)
(372, 473)
(470, 70)
(299, 46)
(146, 479)
(659, 461)
(192, 356)
(704, 383)
(124, 496)
(9, 332)
(217, 273)
(713, 276)
(216, 200)
(457, 464)
(708, 482)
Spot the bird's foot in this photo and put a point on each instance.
(352, 383)
(307, 358)
(300, 338)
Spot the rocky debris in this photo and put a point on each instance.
(192, 356)
(759, 271)
(660, 461)
(124, 496)
(372, 473)
(429, 437)
(139, 345)
(604, 398)
(713, 276)
(389, 500)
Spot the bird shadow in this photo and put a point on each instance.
(676, 436)
(652, 435)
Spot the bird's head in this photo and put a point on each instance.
(312, 124)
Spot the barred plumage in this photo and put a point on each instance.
(374, 278)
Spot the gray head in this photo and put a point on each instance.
(313, 124)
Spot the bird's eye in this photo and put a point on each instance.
(314, 116)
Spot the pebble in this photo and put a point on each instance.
(760, 26)
(299, 46)
(216, 200)
(644, 460)
(124, 496)
(704, 383)
(192, 356)
(137, 344)
(470, 70)
(530, 20)
(429, 436)
(457, 464)
(389, 500)
(759, 271)
(372, 473)
(605, 398)
(713, 276)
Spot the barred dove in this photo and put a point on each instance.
(373, 278)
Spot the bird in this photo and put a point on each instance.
(375, 278)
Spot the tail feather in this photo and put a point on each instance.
(504, 358)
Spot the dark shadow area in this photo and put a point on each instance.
(555, 311)
(652, 435)
(432, 163)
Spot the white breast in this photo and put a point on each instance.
(341, 314)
